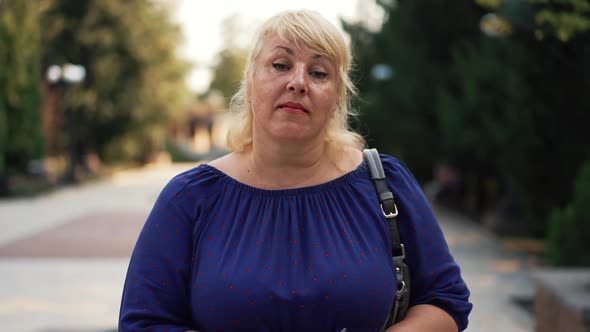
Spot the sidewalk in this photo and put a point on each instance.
(495, 276)
(59, 274)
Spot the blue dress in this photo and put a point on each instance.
(218, 255)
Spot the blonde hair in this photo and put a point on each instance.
(304, 28)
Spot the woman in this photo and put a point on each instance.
(285, 233)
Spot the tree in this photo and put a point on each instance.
(569, 226)
(20, 122)
(563, 19)
(487, 124)
(227, 73)
(507, 109)
(135, 82)
(231, 59)
(416, 43)
(552, 144)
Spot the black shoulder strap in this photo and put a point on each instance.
(385, 197)
(398, 251)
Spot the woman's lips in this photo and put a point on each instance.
(293, 107)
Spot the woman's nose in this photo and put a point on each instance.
(298, 81)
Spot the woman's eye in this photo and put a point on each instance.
(280, 66)
(319, 74)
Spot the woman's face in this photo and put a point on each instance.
(293, 92)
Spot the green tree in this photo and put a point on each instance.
(551, 141)
(570, 227)
(231, 59)
(135, 82)
(507, 111)
(227, 73)
(20, 123)
(416, 43)
(487, 122)
(563, 19)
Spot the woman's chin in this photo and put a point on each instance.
(295, 134)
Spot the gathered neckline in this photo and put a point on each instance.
(346, 179)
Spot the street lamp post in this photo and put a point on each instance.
(63, 77)
(68, 74)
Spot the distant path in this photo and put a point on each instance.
(127, 191)
(58, 272)
(494, 275)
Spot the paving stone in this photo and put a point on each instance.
(94, 235)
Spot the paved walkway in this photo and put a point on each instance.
(58, 273)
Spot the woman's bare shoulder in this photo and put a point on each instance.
(222, 162)
(228, 164)
(349, 159)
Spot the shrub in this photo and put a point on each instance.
(569, 228)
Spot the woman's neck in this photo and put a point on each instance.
(277, 165)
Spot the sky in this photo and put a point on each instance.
(201, 22)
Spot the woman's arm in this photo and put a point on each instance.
(438, 291)
(157, 285)
(425, 318)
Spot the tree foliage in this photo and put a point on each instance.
(416, 42)
(135, 82)
(227, 73)
(569, 226)
(20, 74)
(231, 59)
(507, 112)
(563, 19)
(551, 144)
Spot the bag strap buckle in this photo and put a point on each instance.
(390, 214)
